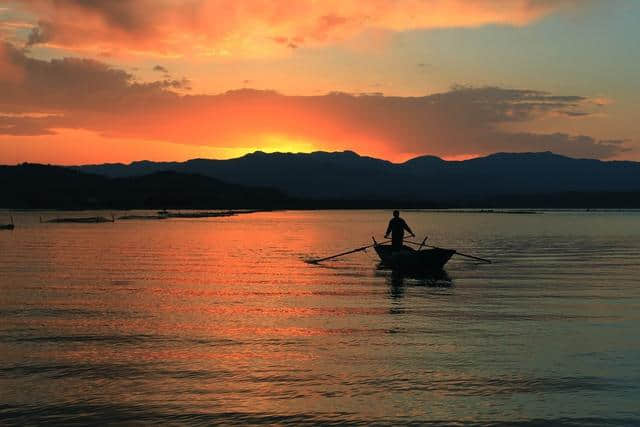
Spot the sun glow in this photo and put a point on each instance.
(77, 146)
(269, 143)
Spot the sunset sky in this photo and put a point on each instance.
(84, 81)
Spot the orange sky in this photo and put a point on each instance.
(86, 82)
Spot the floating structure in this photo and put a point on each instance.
(201, 214)
(164, 214)
(9, 226)
(142, 217)
(87, 220)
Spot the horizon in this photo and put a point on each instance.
(259, 152)
(93, 83)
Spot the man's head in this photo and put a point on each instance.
(396, 214)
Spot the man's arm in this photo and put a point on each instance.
(388, 230)
(406, 227)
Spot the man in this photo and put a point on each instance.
(396, 227)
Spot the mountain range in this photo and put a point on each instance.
(347, 176)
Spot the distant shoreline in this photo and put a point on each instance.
(55, 188)
(507, 210)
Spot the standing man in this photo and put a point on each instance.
(396, 227)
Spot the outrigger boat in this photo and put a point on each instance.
(409, 259)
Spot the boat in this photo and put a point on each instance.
(409, 259)
(10, 226)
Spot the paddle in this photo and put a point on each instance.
(423, 240)
(457, 253)
(315, 261)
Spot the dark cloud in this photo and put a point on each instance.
(73, 84)
(160, 69)
(40, 34)
(27, 126)
(574, 146)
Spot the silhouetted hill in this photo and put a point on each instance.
(41, 186)
(346, 175)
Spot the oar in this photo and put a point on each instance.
(423, 240)
(488, 261)
(315, 261)
(457, 253)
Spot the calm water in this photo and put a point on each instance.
(220, 321)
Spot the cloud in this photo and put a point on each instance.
(85, 94)
(581, 146)
(26, 126)
(160, 69)
(10, 72)
(71, 83)
(255, 27)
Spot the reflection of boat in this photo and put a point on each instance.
(89, 220)
(399, 279)
(408, 259)
(7, 226)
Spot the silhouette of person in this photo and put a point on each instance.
(396, 228)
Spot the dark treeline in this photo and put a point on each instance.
(32, 186)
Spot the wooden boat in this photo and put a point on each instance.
(8, 226)
(409, 259)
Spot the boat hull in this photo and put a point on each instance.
(408, 259)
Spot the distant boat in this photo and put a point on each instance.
(10, 226)
(412, 260)
(88, 220)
